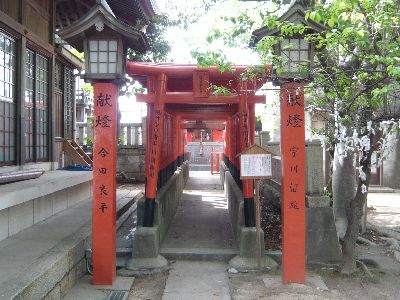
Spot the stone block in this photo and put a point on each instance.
(322, 244)
(146, 242)
(146, 248)
(55, 294)
(317, 201)
(78, 193)
(20, 217)
(314, 170)
(3, 224)
(42, 208)
(264, 138)
(60, 201)
(247, 242)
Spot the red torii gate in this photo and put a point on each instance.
(181, 92)
(176, 95)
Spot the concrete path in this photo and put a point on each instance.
(385, 209)
(201, 224)
(200, 230)
(197, 281)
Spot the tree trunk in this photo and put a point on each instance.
(343, 188)
(354, 214)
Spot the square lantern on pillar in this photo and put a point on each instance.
(104, 40)
(104, 58)
(296, 53)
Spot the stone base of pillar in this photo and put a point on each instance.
(247, 259)
(146, 249)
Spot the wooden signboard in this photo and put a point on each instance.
(255, 163)
(255, 166)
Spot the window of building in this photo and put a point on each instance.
(7, 100)
(68, 102)
(36, 106)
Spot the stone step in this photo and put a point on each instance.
(199, 254)
(380, 189)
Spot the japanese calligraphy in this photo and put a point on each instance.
(103, 121)
(154, 143)
(103, 191)
(294, 150)
(294, 121)
(103, 100)
(293, 187)
(294, 168)
(103, 207)
(293, 100)
(294, 205)
(103, 170)
(103, 152)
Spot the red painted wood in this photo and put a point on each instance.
(104, 183)
(156, 139)
(244, 129)
(293, 183)
(201, 81)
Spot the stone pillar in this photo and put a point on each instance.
(144, 133)
(322, 244)
(265, 138)
(391, 166)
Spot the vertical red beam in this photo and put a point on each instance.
(247, 185)
(212, 160)
(293, 182)
(104, 183)
(154, 149)
(252, 121)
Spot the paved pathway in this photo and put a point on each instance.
(197, 281)
(386, 209)
(201, 225)
(202, 220)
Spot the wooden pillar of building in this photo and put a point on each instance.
(104, 183)
(293, 183)
(154, 148)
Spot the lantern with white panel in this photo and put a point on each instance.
(296, 53)
(104, 40)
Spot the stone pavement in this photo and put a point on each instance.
(385, 209)
(201, 228)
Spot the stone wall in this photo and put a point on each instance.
(131, 161)
(167, 200)
(194, 149)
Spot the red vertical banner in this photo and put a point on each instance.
(293, 183)
(104, 183)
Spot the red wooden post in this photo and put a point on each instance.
(104, 183)
(212, 160)
(154, 148)
(293, 182)
(217, 162)
(248, 188)
(252, 121)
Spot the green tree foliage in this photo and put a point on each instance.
(159, 46)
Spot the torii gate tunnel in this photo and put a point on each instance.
(176, 96)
